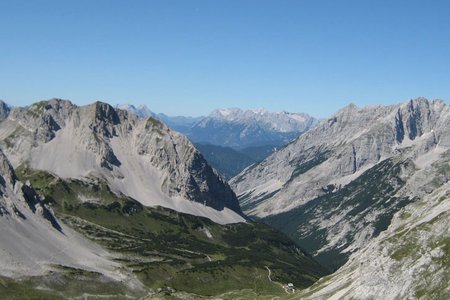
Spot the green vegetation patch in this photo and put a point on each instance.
(14, 289)
(372, 191)
(405, 251)
(153, 123)
(165, 248)
(226, 160)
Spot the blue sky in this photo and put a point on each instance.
(189, 57)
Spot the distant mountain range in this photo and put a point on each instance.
(240, 129)
(234, 127)
(232, 139)
(178, 123)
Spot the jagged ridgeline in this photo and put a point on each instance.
(240, 129)
(140, 158)
(339, 185)
(235, 128)
(97, 214)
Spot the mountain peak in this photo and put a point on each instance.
(141, 110)
(424, 103)
(349, 108)
(129, 107)
(225, 112)
(105, 112)
(55, 103)
(139, 157)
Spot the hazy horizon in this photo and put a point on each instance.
(137, 105)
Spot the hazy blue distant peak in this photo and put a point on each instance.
(178, 123)
(225, 112)
(233, 113)
(237, 128)
(234, 127)
(4, 109)
(143, 109)
(140, 111)
(277, 121)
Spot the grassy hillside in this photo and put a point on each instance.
(164, 248)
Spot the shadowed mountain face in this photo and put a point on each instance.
(139, 157)
(339, 185)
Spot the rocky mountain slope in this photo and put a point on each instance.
(338, 185)
(139, 157)
(34, 241)
(410, 260)
(239, 129)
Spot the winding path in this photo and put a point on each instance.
(270, 273)
(285, 287)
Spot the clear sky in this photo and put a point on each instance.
(188, 57)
